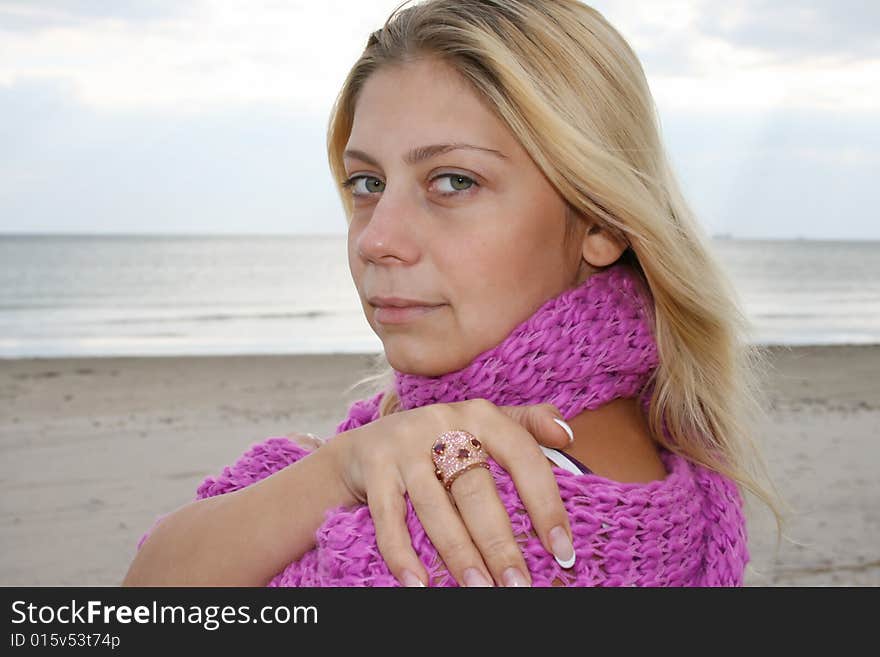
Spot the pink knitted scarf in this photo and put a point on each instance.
(585, 347)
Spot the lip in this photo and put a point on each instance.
(398, 302)
(399, 310)
(395, 315)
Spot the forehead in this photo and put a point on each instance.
(423, 101)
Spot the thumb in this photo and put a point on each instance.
(540, 420)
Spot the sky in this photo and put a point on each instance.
(176, 117)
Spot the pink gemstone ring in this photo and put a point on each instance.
(454, 453)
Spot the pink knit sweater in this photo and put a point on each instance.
(581, 349)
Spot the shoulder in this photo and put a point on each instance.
(308, 441)
(258, 462)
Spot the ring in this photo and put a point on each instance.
(454, 453)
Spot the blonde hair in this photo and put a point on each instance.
(573, 92)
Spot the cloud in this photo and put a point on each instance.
(754, 54)
(186, 57)
(216, 54)
(36, 15)
(66, 168)
(780, 174)
(673, 32)
(845, 29)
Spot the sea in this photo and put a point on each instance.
(86, 295)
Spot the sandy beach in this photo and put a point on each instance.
(94, 449)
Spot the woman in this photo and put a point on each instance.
(519, 244)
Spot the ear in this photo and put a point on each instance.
(600, 247)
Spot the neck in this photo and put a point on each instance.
(614, 441)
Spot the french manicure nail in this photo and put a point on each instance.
(563, 550)
(473, 577)
(564, 425)
(408, 579)
(513, 577)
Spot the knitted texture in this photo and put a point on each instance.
(585, 347)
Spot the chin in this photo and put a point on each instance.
(416, 359)
(408, 365)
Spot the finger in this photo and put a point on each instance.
(388, 509)
(445, 528)
(544, 422)
(518, 453)
(476, 497)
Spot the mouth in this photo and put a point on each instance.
(400, 310)
(402, 314)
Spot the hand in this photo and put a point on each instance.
(384, 459)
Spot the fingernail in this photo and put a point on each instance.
(473, 577)
(564, 425)
(562, 548)
(513, 577)
(408, 579)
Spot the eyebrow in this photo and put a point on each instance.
(422, 153)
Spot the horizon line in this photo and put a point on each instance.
(714, 236)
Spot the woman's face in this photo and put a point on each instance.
(476, 232)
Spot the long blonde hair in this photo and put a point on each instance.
(573, 92)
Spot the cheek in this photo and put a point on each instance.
(497, 266)
(486, 299)
(354, 263)
(501, 278)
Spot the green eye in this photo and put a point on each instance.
(371, 185)
(457, 183)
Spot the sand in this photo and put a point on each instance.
(93, 449)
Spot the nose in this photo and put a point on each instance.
(390, 231)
